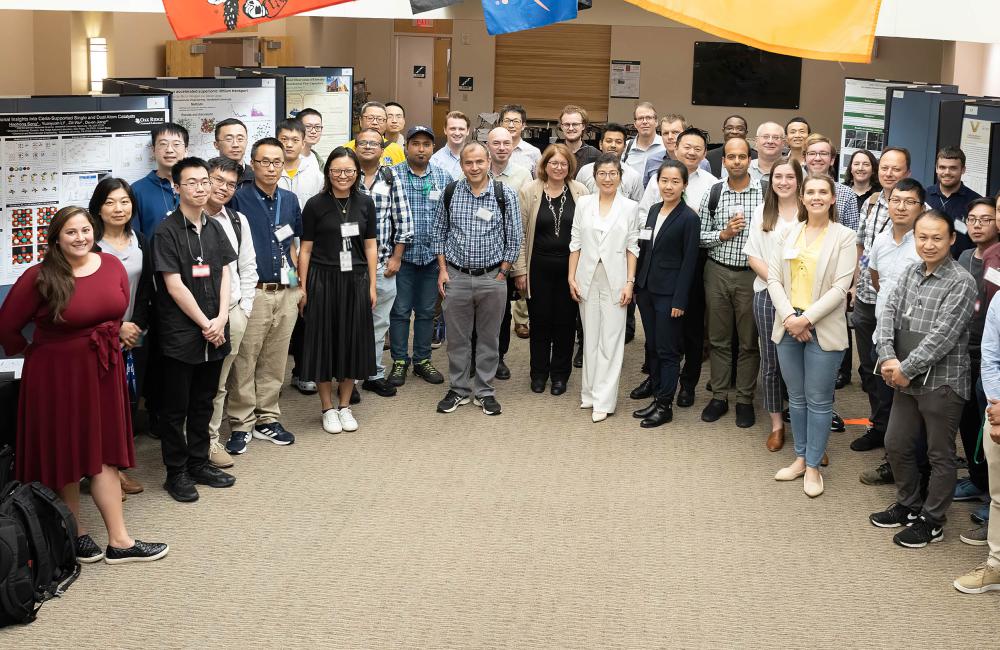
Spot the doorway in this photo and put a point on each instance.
(423, 71)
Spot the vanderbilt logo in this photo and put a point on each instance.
(252, 9)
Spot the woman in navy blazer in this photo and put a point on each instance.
(668, 256)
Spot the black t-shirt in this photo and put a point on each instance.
(321, 221)
(176, 249)
(546, 242)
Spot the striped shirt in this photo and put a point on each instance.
(728, 252)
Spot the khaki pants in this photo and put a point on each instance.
(519, 311)
(729, 296)
(992, 452)
(237, 328)
(259, 370)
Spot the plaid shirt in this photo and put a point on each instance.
(393, 210)
(729, 252)
(874, 220)
(467, 240)
(847, 206)
(938, 305)
(423, 194)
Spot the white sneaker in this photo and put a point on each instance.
(331, 421)
(304, 387)
(347, 420)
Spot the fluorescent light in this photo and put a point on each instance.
(98, 48)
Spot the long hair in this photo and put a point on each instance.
(341, 152)
(771, 199)
(803, 216)
(55, 280)
(100, 195)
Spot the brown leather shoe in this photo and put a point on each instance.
(129, 484)
(522, 331)
(825, 461)
(776, 440)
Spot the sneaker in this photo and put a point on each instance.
(837, 423)
(304, 387)
(210, 475)
(380, 387)
(893, 517)
(273, 432)
(140, 552)
(976, 536)
(489, 404)
(980, 580)
(427, 372)
(870, 439)
(397, 376)
(238, 441)
(438, 335)
(919, 534)
(181, 487)
(331, 421)
(451, 401)
(966, 490)
(714, 410)
(982, 514)
(87, 550)
(881, 475)
(218, 456)
(347, 420)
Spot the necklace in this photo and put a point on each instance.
(344, 207)
(562, 205)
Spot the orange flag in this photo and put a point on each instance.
(193, 18)
(833, 30)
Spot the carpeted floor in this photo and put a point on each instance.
(534, 529)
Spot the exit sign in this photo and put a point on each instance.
(423, 23)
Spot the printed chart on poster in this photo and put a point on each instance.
(976, 137)
(51, 160)
(864, 117)
(199, 109)
(331, 96)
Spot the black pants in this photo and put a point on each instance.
(553, 319)
(505, 325)
(879, 395)
(186, 398)
(845, 364)
(295, 345)
(664, 337)
(140, 357)
(693, 328)
(969, 427)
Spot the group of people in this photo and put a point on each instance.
(189, 290)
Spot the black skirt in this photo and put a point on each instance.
(339, 337)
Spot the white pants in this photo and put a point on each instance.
(603, 343)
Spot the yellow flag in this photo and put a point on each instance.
(834, 30)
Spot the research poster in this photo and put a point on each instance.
(331, 96)
(51, 160)
(199, 109)
(864, 118)
(976, 136)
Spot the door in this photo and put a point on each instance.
(415, 78)
(442, 85)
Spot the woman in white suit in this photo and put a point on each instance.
(604, 247)
(809, 275)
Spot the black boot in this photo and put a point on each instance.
(643, 390)
(645, 412)
(662, 414)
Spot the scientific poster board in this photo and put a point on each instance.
(624, 80)
(199, 103)
(54, 151)
(978, 136)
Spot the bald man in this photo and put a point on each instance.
(769, 143)
(500, 143)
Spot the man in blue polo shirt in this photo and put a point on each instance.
(951, 196)
(154, 193)
(275, 224)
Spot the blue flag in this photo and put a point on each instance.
(505, 16)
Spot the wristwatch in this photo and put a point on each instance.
(504, 272)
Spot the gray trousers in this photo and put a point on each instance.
(939, 412)
(473, 303)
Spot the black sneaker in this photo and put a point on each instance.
(715, 409)
(919, 534)
(893, 517)
(745, 416)
(843, 379)
(181, 487)
(87, 550)
(210, 475)
(837, 424)
(489, 404)
(881, 475)
(380, 387)
(503, 372)
(870, 439)
(451, 401)
(140, 552)
(397, 376)
(426, 371)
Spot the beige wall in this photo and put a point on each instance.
(17, 29)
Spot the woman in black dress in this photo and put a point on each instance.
(337, 263)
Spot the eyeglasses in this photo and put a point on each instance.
(193, 185)
(514, 121)
(571, 125)
(770, 138)
(374, 118)
(369, 144)
(314, 129)
(979, 221)
(271, 164)
(170, 144)
(896, 201)
(645, 118)
(818, 154)
(558, 165)
(343, 173)
(608, 175)
(221, 182)
(234, 139)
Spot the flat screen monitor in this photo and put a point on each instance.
(732, 74)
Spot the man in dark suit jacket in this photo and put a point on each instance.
(735, 126)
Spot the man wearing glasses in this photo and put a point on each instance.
(819, 155)
(231, 142)
(735, 126)
(514, 118)
(374, 116)
(275, 222)
(301, 175)
(639, 149)
(769, 144)
(573, 121)
(312, 121)
(154, 193)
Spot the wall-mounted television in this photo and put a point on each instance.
(732, 74)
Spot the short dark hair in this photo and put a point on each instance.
(614, 127)
(397, 105)
(266, 142)
(368, 129)
(100, 195)
(291, 125)
(902, 150)
(983, 200)
(229, 121)
(695, 131)
(608, 159)
(340, 152)
(799, 118)
(673, 164)
(746, 125)
(186, 163)
(306, 112)
(911, 185)
(169, 128)
(514, 108)
(849, 177)
(223, 164)
(469, 145)
(367, 105)
(940, 216)
(951, 153)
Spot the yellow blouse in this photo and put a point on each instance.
(803, 269)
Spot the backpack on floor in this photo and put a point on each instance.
(37, 550)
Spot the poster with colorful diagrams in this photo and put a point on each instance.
(199, 109)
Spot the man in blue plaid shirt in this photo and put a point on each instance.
(395, 231)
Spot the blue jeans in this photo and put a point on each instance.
(416, 292)
(810, 393)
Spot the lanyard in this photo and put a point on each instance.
(200, 259)
(277, 206)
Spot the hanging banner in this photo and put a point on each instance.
(194, 18)
(506, 16)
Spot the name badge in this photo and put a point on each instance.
(381, 189)
(349, 229)
(646, 234)
(790, 253)
(345, 261)
(484, 214)
(960, 227)
(284, 232)
(200, 270)
(993, 275)
(435, 195)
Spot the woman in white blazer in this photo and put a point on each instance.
(604, 247)
(809, 275)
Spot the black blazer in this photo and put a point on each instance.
(714, 158)
(667, 265)
(144, 293)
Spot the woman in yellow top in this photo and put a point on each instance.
(809, 276)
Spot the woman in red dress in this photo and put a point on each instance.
(73, 416)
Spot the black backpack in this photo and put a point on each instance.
(715, 195)
(37, 550)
